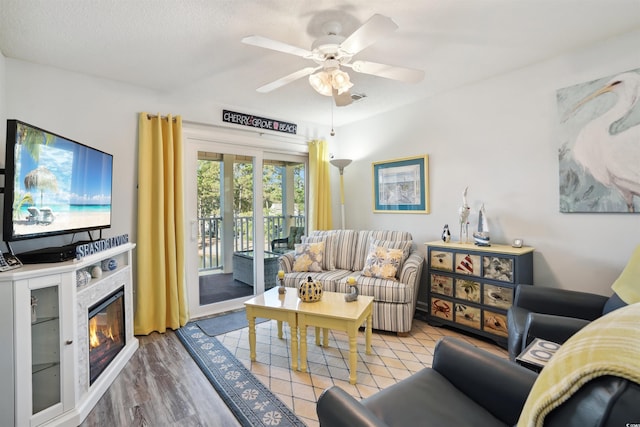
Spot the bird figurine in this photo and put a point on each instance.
(463, 213)
(446, 234)
(613, 158)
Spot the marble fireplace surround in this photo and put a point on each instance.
(87, 298)
(87, 395)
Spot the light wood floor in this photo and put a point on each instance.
(161, 386)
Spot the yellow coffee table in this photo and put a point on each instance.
(280, 307)
(333, 312)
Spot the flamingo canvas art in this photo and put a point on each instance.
(599, 154)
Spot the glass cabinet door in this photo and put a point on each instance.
(45, 348)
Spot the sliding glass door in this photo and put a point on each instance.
(234, 216)
(225, 227)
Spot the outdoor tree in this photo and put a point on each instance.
(272, 187)
(208, 188)
(243, 188)
(209, 196)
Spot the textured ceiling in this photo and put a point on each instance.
(191, 49)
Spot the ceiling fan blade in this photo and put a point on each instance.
(408, 75)
(376, 28)
(276, 45)
(287, 79)
(342, 99)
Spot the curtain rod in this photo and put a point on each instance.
(153, 116)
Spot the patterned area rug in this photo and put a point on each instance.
(249, 400)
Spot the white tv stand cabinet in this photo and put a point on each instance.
(44, 361)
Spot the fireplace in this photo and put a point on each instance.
(106, 332)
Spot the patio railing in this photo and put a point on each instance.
(210, 233)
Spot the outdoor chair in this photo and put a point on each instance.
(286, 244)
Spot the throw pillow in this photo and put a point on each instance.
(626, 286)
(329, 249)
(345, 247)
(403, 245)
(382, 262)
(308, 256)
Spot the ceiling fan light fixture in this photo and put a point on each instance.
(324, 82)
(340, 81)
(333, 51)
(321, 82)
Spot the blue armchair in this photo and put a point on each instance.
(556, 314)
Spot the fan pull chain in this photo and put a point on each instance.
(333, 132)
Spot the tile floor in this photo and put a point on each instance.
(393, 358)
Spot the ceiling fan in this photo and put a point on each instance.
(332, 52)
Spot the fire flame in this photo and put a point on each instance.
(93, 335)
(107, 332)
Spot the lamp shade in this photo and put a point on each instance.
(340, 81)
(324, 82)
(340, 163)
(321, 82)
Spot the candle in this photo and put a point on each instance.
(280, 274)
(351, 280)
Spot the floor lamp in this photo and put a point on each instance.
(341, 164)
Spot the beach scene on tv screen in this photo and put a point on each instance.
(59, 185)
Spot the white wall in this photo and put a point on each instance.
(102, 114)
(499, 138)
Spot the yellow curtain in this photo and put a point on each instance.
(320, 217)
(161, 295)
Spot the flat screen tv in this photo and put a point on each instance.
(53, 185)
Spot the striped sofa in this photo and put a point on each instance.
(347, 250)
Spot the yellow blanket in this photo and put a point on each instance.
(609, 345)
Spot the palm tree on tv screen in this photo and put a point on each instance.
(31, 139)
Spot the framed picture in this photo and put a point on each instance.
(598, 168)
(401, 185)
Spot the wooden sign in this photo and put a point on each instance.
(258, 122)
(91, 248)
